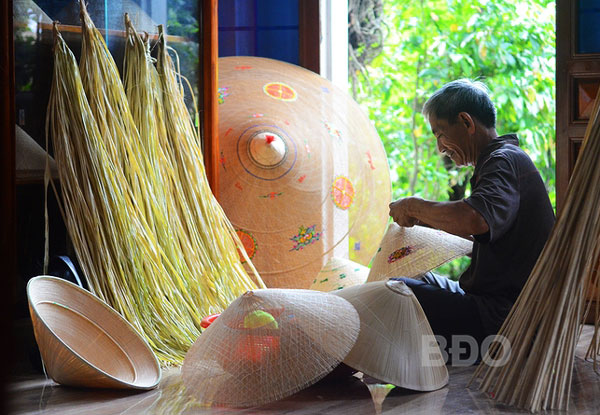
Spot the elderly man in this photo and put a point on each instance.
(508, 215)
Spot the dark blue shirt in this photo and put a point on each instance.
(507, 190)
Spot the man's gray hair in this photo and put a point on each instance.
(462, 95)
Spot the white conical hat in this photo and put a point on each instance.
(339, 273)
(83, 342)
(396, 344)
(269, 344)
(410, 252)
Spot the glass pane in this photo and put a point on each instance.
(236, 13)
(237, 43)
(588, 29)
(266, 28)
(278, 44)
(33, 40)
(33, 44)
(277, 13)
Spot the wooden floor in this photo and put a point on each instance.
(33, 394)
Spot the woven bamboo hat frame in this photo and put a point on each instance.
(396, 344)
(339, 273)
(410, 252)
(84, 342)
(269, 344)
(303, 174)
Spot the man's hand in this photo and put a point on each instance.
(456, 217)
(400, 212)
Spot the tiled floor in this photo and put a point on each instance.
(348, 395)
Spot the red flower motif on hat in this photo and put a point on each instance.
(342, 192)
(400, 253)
(281, 91)
(249, 242)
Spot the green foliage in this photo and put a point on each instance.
(508, 44)
(182, 22)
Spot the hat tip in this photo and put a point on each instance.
(399, 287)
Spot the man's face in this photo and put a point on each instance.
(452, 139)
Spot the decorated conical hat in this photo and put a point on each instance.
(269, 344)
(84, 342)
(339, 273)
(303, 174)
(410, 252)
(396, 344)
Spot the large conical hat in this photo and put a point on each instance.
(339, 273)
(410, 252)
(303, 173)
(269, 344)
(84, 342)
(396, 344)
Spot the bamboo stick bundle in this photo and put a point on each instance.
(163, 280)
(199, 208)
(199, 248)
(114, 246)
(592, 288)
(130, 234)
(159, 172)
(543, 325)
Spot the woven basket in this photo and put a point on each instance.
(84, 342)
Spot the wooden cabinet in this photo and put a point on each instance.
(577, 83)
(25, 75)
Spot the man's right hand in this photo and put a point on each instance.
(399, 211)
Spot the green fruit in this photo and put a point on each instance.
(260, 319)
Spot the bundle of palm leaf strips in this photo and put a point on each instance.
(543, 326)
(149, 235)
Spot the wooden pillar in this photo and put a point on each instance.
(209, 91)
(309, 34)
(7, 177)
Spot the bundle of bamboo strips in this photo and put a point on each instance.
(123, 201)
(172, 152)
(543, 325)
(114, 247)
(200, 208)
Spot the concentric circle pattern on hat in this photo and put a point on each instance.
(269, 344)
(303, 174)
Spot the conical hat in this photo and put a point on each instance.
(84, 342)
(269, 344)
(339, 273)
(30, 157)
(410, 252)
(303, 175)
(396, 344)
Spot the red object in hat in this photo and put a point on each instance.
(207, 321)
